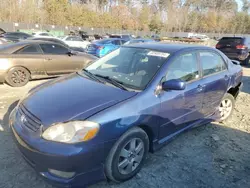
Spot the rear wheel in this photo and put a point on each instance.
(226, 107)
(127, 155)
(18, 76)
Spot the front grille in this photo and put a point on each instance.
(28, 119)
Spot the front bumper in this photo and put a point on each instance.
(87, 162)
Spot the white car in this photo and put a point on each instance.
(42, 34)
(75, 41)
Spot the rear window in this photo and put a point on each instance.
(231, 40)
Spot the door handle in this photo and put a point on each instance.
(200, 87)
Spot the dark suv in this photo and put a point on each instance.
(237, 48)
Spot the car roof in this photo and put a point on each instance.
(108, 39)
(168, 48)
(144, 39)
(12, 47)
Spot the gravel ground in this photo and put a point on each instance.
(215, 155)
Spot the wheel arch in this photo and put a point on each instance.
(16, 66)
(150, 133)
(234, 90)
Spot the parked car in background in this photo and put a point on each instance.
(156, 38)
(55, 40)
(3, 41)
(97, 37)
(101, 122)
(42, 34)
(2, 31)
(75, 41)
(122, 36)
(27, 60)
(104, 46)
(237, 48)
(140, 40)
(59, 41)
(201, 37)
(14, 36)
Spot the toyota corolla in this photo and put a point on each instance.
(101, 122)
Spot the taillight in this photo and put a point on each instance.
(241, 47)
(218, 45)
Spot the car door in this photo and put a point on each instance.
(215, 80)
(57, 59)
(181, 108)
(30, 57)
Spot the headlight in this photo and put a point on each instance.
(71, 132)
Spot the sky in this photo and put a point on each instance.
(239, 4)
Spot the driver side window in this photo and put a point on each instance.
(184, 67)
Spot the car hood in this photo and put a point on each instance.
(71, 98)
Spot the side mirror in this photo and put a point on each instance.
(174, 84)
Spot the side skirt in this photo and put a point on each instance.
(157, 144)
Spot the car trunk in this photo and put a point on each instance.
(230, 44)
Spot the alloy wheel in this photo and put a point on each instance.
(131, 156)
(225, 108)
(18, 76)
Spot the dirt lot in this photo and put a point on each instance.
(216, 155)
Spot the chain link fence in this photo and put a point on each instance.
(64, 30)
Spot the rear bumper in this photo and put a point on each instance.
(237, 56)
(2, 77)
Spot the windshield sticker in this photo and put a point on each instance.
(159, 54)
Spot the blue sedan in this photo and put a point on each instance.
(105, 46)
(102, 121)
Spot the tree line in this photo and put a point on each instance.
(216, 16)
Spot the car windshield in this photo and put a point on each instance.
(133, 67)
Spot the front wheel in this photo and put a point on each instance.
(226, 107)
(127, 155)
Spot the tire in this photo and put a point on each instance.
(17, 76)
(115, 157)
(226, 107)
(246, 61)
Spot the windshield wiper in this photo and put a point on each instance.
(91, 75)
(113, 81)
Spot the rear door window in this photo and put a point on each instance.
(211, 63)
(32, 49)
